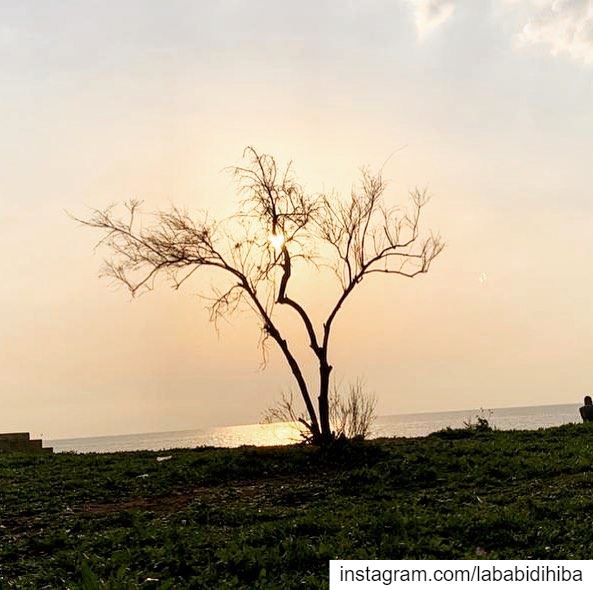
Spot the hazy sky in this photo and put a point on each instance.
(487, 103)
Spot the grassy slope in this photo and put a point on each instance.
(266, 518)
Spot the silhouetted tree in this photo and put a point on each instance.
(255, 252)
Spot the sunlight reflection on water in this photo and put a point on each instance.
(285, 433)
(280, 433)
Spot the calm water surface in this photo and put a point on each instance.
(408, 425)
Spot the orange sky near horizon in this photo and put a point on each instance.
(99, 105)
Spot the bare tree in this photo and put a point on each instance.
(255, 252)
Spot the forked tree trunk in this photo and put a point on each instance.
(316, 432)
(319, 422)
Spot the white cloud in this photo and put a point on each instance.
(558, 27)
(430, 14)
(562, 27)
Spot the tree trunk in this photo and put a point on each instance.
(324, 422)
(316, 432)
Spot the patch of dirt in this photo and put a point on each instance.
(262, 490)
(169, 503)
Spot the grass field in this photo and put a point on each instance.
(273, 517)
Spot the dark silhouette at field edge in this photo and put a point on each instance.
(587, 410)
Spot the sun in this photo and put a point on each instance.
(277, 241)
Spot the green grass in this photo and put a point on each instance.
(272, 518)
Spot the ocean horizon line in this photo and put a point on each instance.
(380, 417)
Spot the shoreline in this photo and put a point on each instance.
(409, 426)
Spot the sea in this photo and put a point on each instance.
(284, 433)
